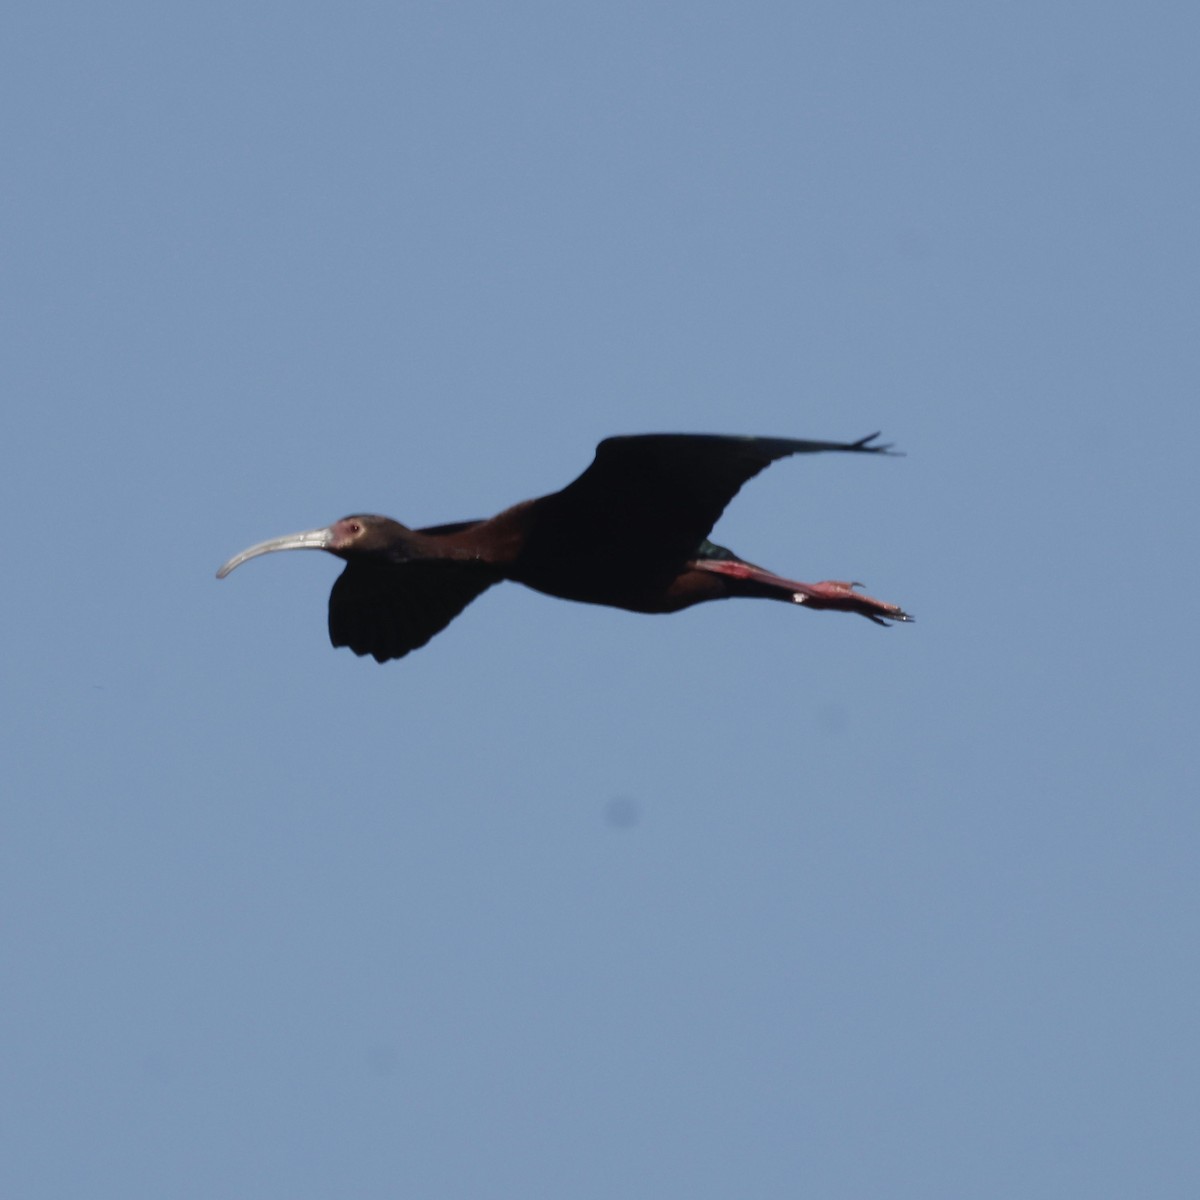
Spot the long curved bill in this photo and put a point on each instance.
(310, 539)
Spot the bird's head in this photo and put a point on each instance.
(362, 534)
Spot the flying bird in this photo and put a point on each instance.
(631, 532)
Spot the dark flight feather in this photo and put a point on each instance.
(648, 501)
(387, 609)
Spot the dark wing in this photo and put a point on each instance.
(387, 609)
(656, 496)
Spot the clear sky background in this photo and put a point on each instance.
(573, 903)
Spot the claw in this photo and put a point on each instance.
(835, 593)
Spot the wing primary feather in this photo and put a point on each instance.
(388, 609)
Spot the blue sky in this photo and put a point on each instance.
(904, 913)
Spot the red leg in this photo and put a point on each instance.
(833, 593)
(830, 593)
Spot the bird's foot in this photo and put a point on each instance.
(830, 593)
(836, 594)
